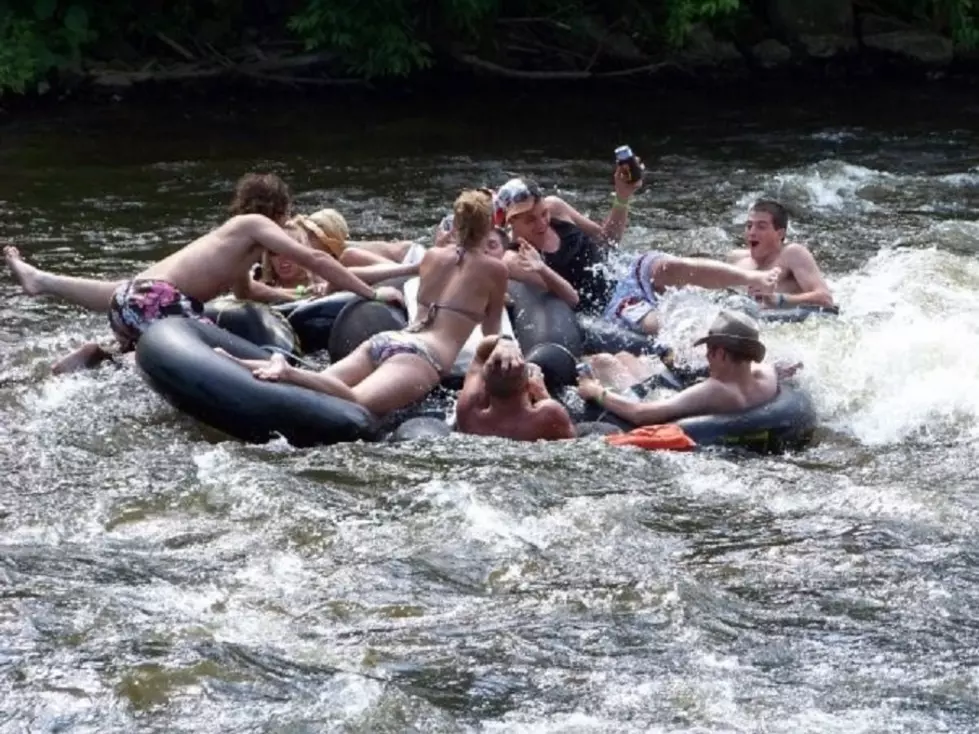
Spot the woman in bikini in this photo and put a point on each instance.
(461, 287)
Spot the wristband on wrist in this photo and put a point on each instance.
(601, 397)
(300, 290)
(780, 300)
(618, 203)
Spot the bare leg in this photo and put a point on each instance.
(680, 271)
(639, 368)
(397, 383)
(353, 368)
(395, 251)
(611, 371)
(87, 356)
(85, 292)
(650, 324)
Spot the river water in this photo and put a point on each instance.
(154, 577)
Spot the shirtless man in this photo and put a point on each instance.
(508, 401)
(213, 264)
(736, 381)
(209, 266)
(800, 281)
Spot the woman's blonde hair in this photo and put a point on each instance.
(472, 217)
(268, 275)
(328, 230)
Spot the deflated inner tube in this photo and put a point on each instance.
(795, 314)
(787, 421)
(313, 319)
(539, 317)
(254, 322)
(176, 358)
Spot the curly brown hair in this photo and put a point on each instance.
(262, 193)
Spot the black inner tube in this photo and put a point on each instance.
(176, 358)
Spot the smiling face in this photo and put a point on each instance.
(287, 272)
(761, 234)
(532, 225)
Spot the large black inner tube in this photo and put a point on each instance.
(176, 358)
(540, 317)
(795, 314)
(313, 319)
(360, 319)
(786, 421)
(254, 322)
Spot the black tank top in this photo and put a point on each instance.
(580, 260)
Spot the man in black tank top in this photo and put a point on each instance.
(575, 249)
(571, 245)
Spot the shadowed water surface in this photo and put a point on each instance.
(155, 577)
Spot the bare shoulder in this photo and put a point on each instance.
(247, 221)
(552, 419)
(496, 268)
(737, 255)
(796, 252)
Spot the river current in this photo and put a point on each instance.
(157, 577)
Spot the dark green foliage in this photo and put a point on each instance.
(369, 38)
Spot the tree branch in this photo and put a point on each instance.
(504, 71)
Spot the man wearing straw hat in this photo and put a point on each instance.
(736, 380)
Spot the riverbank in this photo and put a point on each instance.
(818, 43)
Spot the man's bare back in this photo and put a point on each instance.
(524, 421)
(525, 413)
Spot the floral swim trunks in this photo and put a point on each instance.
(137, 304)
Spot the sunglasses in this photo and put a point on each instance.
(530, 191)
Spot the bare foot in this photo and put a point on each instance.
(85, 357)
(28, 276)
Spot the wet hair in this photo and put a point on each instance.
(779, 214)
(500, 384)
(262, 193)
(473, 217)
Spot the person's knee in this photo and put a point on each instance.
(667, 270)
